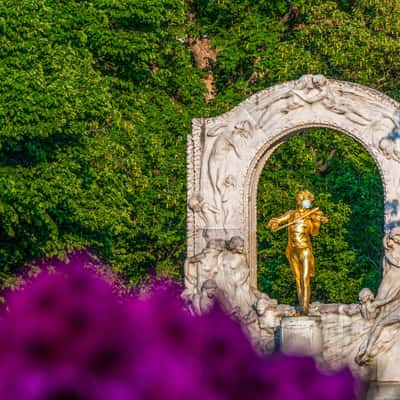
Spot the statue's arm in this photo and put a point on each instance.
(196, 258)
(350, 309)
(383, 302)
(250, 318)
(311, 99)
(317, 218)
(234, 147)
(275, 223)
(315, 228)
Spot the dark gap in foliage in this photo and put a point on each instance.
(29, 152)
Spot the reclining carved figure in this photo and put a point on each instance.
(386, 306)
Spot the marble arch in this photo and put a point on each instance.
(226, 154)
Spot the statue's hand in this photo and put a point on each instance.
(273, 224)
(319, 216)
(324, 219)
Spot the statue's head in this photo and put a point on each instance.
(365, 295)
(196, 203)
(230, 181)
(210, 287)
(387, 147)
(394, 235)
(235, 244)
(319, 80)
(305, 199)
(243, 129)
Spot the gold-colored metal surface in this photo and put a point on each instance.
(302, 223)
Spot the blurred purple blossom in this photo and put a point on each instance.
(68, 336)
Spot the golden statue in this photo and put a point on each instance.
(301, 223)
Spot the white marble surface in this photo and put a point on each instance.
(384, 391)
(301, 335)
(388, 364)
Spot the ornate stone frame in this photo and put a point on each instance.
(226, 154)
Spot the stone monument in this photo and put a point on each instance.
(226, 155)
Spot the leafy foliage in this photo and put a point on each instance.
(96, 99)
(92, 132)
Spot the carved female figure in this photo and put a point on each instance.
(227, 143)
(367, 349)
(204, 210)
(389, 288)
(236, 275)
(387, 303)
(202, 267)
(303, 93)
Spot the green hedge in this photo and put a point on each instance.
(96, 102)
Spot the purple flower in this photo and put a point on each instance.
(67, 335)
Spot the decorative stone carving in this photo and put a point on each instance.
(270, 314)
(234, 279)
(344, 327)
(385, 309)
(390, 149)
(226, 156)
(228, 146)
(201, 268)
(209, 295)
(219, 272)
(206, 212)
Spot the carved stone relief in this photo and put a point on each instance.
(385, 309)
(226, 155)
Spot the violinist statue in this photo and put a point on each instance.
(301, 223)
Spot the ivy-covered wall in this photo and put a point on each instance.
(96, 102)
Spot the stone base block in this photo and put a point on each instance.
(301, 335)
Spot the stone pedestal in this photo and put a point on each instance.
(301, 335)
(384, 391)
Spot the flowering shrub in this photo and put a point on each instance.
(68, 336)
